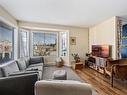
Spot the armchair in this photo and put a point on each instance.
(62, 87)
(117, 69)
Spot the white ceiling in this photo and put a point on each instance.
(82, 13)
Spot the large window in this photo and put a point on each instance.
(24, 43)
(45, 44)
(6, 43)
(63, 44)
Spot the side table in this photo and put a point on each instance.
(78, 65)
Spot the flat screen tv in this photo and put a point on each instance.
(101, 51)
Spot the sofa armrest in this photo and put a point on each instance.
(18, 85)
(22, 73)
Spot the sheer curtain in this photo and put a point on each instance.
(24, 42)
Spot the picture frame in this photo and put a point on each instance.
(72, 40)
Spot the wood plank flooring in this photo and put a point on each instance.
(101, 84)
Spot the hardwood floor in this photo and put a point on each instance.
(101, 84)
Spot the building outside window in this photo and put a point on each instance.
(6, 43)
(45, 43)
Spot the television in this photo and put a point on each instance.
(101, 51)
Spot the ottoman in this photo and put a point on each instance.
(60, 75)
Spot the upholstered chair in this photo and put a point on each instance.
(62, 87)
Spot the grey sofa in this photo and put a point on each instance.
(18, 77)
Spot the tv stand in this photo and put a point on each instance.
(97, 63)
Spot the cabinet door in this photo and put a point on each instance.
(102, 62)
(97, 61)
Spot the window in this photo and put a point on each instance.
(45, 44)
(6, 43)
(24, 43)
(63, 42)
(64, 46)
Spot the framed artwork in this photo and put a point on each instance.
(72, 40)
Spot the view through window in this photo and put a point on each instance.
(6, 43)
(45, 44)
(63, 37)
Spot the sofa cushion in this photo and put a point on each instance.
(21, 64)
(34, 60)
(10, 67)
(22, 73)
(38, 64)
(35, 68)
(39, 70)
(27, 60)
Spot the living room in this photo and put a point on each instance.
(41, 28)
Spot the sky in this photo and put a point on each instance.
(49, 38)
(5, 34)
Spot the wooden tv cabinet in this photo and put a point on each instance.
(97, 63)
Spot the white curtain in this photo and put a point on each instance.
(24, 42)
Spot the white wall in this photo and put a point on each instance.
(7, 17)
(81, 35)
(81, 46)
(104, 33)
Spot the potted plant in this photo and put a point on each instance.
(76, 57)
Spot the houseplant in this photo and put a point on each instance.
(76, 57)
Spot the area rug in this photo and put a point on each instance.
(71, 75)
